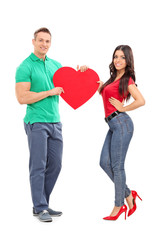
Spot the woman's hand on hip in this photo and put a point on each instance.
(117, 104)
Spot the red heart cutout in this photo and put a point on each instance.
(78, 86)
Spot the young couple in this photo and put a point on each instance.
(34, 87)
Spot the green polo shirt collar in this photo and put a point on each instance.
(35, 58)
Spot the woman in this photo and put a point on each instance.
(115, 91)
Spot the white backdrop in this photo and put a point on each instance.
(84, 32)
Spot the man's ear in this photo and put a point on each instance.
(33, 41)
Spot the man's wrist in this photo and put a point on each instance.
(47, 93)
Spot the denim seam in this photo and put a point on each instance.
(119, 154)
(128, 129)
(120, 125)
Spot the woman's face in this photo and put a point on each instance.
(119, 61)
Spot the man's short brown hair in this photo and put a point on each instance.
(42, 30)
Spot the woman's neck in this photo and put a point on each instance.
(119, 74)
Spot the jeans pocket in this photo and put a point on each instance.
(59, 126)
(129, 126)
(28, 127)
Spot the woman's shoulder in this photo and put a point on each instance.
(131, 81)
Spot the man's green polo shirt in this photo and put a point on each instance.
(40, 74)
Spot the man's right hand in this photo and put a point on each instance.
(56, 91)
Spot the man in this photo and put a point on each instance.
(34, 87)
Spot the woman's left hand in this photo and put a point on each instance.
(117, 104)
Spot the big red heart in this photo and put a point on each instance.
(78, 86)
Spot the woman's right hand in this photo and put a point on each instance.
(100, 85)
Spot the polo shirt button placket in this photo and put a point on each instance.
(41, 59)
(46, 68)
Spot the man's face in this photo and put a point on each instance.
(41, 44)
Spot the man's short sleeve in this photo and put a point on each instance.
(23, 73)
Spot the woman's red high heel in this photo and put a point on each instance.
(122, 209)
(132, 210)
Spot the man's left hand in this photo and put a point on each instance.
(82, 68)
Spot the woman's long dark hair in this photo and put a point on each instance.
(129, 71)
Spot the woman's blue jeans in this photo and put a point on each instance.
(114, 153)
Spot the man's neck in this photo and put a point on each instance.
(42, 56)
